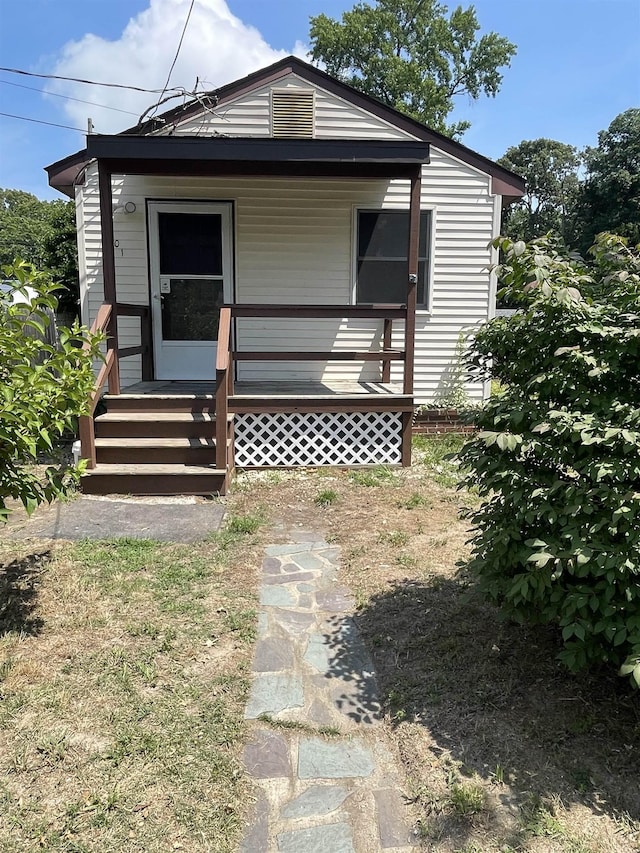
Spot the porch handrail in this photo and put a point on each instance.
(223, 387)
(395, 311)
(385, 312)
(110, 369)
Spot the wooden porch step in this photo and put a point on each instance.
(181, 450)
(153, 479)
(156, 424)
(160, 402)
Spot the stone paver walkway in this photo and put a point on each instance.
(326, 782)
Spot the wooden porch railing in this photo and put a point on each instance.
(385, 355)
(110, 370)
(225, 354)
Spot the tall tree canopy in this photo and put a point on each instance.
(610, 196)
(44, 234)
(412, 55)
(550, 171)
(24, 221)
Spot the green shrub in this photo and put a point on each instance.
(42, 390)
(557, 458)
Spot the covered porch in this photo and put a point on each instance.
(271, 421)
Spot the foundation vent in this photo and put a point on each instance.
(292, 113)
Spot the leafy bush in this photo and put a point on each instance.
(557, 458)
(43, 389)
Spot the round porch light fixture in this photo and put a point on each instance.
(129, 207)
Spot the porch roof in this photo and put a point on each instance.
(184, 155)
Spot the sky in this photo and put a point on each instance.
(577, 67)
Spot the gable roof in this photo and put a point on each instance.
(505, 182)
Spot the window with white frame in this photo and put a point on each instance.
(382, 269)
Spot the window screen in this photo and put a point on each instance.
(382, 266)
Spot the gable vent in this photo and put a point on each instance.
(292, 113)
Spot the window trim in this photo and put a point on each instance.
(425, 308)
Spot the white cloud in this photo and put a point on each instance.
(217, 48)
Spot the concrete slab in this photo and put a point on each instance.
(87, 518)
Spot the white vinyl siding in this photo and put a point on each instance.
(294, 244)
(250, 115)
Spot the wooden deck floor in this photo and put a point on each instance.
(303, 389)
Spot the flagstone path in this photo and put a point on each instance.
(326, 782)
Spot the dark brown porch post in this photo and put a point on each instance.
(410, 323)
(412, 255)
(109, 269)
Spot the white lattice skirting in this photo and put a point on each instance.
(311, 438)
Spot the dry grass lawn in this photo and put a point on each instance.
(123, 675)
(124, 668)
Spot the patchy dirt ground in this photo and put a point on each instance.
(503, 749)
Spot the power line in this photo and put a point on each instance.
(39, 121)
(175, 58)
(178, 89)
(67, 97)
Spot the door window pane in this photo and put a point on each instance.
(383, 239)
(191, 311)
(190, 243)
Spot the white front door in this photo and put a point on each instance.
(191, 268)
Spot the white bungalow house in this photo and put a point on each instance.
(284, 269)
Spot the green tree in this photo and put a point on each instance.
(24, 223)
(42, 233)
(550, 171)
(60, 250)
(42, 390)
(412, 55)
(610, 195)
(557, 459)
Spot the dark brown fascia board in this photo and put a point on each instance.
(63, 173)
(256, 149)
(292, 64)
(260, 168)
(185, 155)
